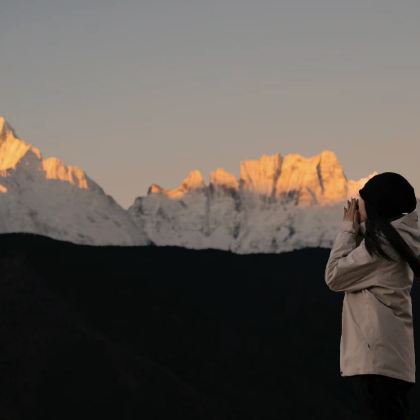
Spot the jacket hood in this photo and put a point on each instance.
(407, 226)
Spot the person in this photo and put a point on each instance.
(374, 260)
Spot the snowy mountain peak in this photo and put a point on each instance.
(155, 189)
(47, 197)
(221, 178)
(15, 152)
(12, 149)
(259, 176)
(5, 128)
(303, 181)
(317, 179)
(193, 181)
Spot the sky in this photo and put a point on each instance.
(141, 92)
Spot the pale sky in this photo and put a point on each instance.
(141, 92)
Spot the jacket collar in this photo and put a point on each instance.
(409, 219)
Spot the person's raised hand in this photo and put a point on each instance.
(351, 212)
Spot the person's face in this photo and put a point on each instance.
(362, 209)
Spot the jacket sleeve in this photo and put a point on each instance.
(350, 268)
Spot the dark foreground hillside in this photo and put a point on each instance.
(169, 333)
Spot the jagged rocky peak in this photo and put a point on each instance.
(5, 129)
(15, 152)
(193, 181)
(155, 189)
(314, 180)
(12, 149)
(332, 179)
(3, 126)
(260, 175)
(318, 179)
(222, 178)
(336, 186)
(305, 180)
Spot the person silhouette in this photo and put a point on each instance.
(374, 260)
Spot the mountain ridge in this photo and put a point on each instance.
(278, 202)
(46, 196)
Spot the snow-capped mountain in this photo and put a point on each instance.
(279, 203)
(47, 197)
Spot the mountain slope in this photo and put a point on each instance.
(47, 197)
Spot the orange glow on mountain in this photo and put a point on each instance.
(13, 150)
(56, 169)
(314, 180)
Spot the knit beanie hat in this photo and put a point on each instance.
(388, 195)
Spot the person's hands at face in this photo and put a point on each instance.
(351, 212)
